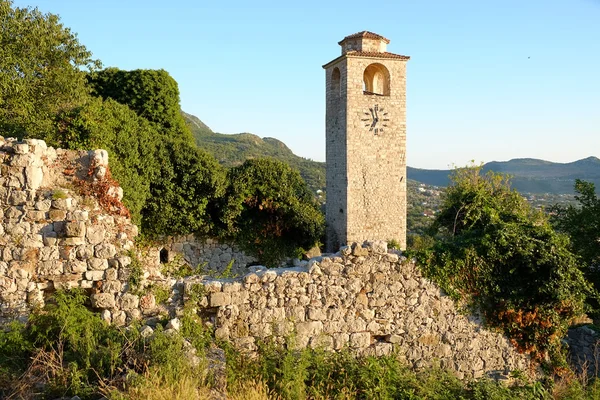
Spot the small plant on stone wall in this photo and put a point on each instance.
(59, 194)
(161, 293)
(103, 189)
(178, 268)
(226, 273)
(136, 273)
(393, 244)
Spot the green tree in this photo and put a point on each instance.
(131, 141)
(503, 257)
(269, 211)
(42, 70)
(581, 223)
(152, 94)
(184, 197)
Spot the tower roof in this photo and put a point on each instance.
(366, 35)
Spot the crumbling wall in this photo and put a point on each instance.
(367, 299)
(51, 236)
(363, 298)
(207, 254)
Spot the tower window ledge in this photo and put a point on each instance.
(372, 93)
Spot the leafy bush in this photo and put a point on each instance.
(131, 143)
(582, 224)
(317, 374)
(184, 198)
(269, 211)
(152, 94)
(499, 255)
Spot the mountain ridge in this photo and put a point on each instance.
(529, 175)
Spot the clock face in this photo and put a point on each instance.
(375, 119)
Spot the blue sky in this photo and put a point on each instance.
(487, 80)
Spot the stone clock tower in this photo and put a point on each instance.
(366, 142)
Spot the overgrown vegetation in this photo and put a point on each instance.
(270, 211)
(51, 89)
(498, 255)
(67, 350)
(582, 223)
(42, 70)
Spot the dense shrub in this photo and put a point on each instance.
(131, 142)
(66, 350)
(317, 374)
(269, 211)
(183, 198)
(501, 256)
(581, 223)
(152, 94)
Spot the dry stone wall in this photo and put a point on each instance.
(363, 298)
(205, 253)
(52, 237)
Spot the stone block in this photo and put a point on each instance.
(311, 328)
(119, 318)
(76, 266)
(111, 274)
(95, 234)
(75, 229)
(72, 241)
(17, 198)
(360, 339)
(85, 252)
(148, 302)
(129, 301)
(53, 267)
(94, 275)
(97, 264)
(34, 176)
(43, 205)
(21, 148)
(50, 238)
(219, 299)
(104, 300)
(105, 250)
(62, 204)
(113, 286)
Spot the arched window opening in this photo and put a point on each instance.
(164, 256)
(336, 81)
(376, 80)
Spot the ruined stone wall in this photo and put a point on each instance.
(366, 299)
(584, 350)
(204, 253)
(51, 236)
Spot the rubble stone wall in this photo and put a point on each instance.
(366, 299)
(206, 254)
(363, 298)
(51, 237)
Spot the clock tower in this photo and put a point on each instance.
(365, 142)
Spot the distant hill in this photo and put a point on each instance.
(529, 175)
(232, 150)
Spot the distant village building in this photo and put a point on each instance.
(366, 142)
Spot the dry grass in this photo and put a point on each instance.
(251, 391)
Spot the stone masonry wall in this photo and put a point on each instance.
(367, 299)
(363, 298)
(206, 253)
